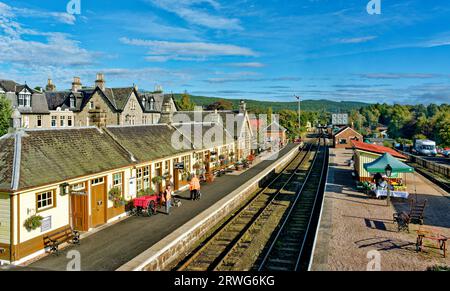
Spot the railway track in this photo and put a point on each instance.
(288, 250)
(215, 249)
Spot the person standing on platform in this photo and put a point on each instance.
(194, 187)
(167, 198)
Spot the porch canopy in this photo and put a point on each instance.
(379, 165)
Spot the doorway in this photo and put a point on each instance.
(98, 202)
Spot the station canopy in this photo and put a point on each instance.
(379, 165)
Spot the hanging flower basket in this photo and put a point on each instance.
(157, 180)
(115, 195)
(33, 222)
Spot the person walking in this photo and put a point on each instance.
(194, 187)
(167, 198)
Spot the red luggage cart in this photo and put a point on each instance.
(146, 205)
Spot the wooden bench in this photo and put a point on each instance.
(54, 240)
(433, 236)
(415, 215)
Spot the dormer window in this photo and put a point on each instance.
(72, 102)
(144, 100)
(24, 99)
(152, 105)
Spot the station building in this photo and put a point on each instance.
(344, 137)
(365, 153)
(65, 175)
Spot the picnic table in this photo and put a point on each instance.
(432, 236)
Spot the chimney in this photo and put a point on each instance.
(76, 84)
(50, 86)
(166, 114)
(136, 87)
(242, 107)
(16, 120)
(100, 81)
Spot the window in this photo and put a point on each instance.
(39, 121)
(167, 166)
(152, 105)
(91, 105)
(147, 177)
(62, 121)
(343, 141)
(117, 181)
(24, 99)
(45, 200)
(69, 121)
(97, 181)
(187, 163)
(72, 102)
(53, 121)
(143, 178)
(133, 105)
(78, 187)
(26, 122)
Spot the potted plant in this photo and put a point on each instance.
(115, 195)
(146, 192)
(33, 222)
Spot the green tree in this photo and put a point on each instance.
(5, 114)
(185, 104)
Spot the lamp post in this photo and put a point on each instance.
(388, 171)
(299, 115)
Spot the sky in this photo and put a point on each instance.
(244, 49)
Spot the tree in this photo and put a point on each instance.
(5, 114)
(185, 104)
(220, 105)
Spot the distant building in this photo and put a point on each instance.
(344, 137)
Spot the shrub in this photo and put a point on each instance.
(33, 222)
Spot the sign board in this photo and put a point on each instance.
(46, 224)
(179, 166)
(132, 187)
(340, 119)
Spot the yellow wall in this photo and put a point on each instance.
(5, 217)
(365, 158)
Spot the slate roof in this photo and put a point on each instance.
(38, 104)
(206, 135)
(52, 156)
(118, 96)
(56, 99)
(149, 142)
(8, 85)
(221, 117)
(6, 161)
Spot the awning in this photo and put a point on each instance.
(379, 165)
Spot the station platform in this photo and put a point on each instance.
(353, 224)
(110, 248)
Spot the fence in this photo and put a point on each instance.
(429, 165)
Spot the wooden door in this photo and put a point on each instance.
(98, 202)
(176, 178)
(79, 212)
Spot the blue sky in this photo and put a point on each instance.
(256, 49)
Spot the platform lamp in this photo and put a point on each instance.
(388, 172)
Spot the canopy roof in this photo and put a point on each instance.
(379, 165)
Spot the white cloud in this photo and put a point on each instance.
(62, 17)
(248, 65)
(165, 50)
(187, 10)
(356, 39)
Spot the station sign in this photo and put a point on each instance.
(179, 166)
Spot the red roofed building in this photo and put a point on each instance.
(366, 153)
(344, 137)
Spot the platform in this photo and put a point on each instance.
(353, 224)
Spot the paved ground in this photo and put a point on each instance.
(114, 246)
(354, 224)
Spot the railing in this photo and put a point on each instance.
(429, 165)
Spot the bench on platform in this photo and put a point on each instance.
(54, 240)
(432, 236)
